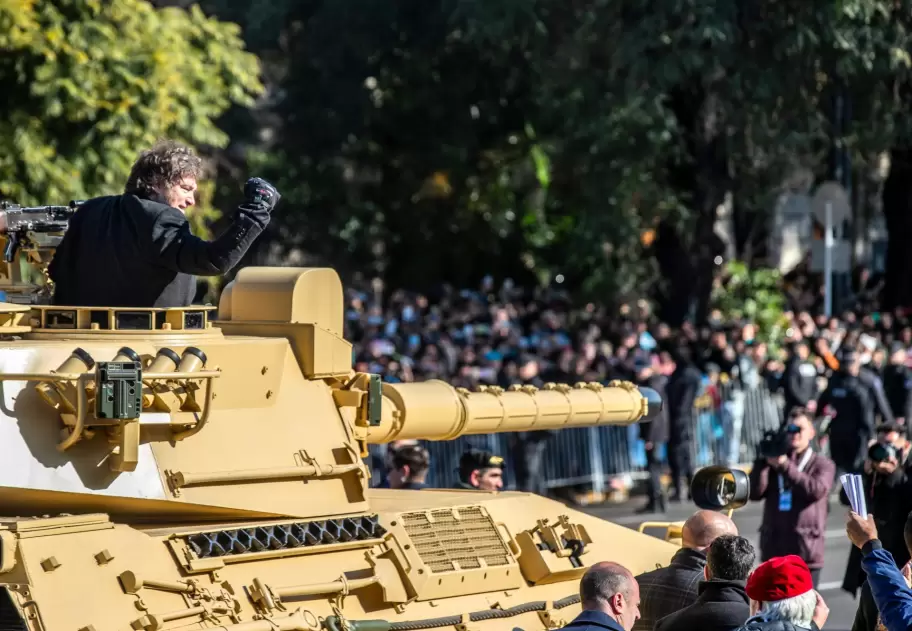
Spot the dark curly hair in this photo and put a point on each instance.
(731, 558)
(166, 163)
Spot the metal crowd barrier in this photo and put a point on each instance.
(726, 429)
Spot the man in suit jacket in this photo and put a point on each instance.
(722, 604)
(610, 597)
(669, 589)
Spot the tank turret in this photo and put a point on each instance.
(166, 468)
(169, 414)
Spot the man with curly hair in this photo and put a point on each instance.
(136, 249)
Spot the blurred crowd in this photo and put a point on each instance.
(506, 335)
(841, 386)
(503, 335)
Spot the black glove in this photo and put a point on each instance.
(260, 195)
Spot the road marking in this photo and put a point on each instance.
(829, 586)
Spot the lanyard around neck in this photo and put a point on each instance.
(801, 465)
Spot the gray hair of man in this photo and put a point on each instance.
(601, 582)
(799, 610)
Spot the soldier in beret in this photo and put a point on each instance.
(482, 470)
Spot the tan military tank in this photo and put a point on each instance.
(187, 468)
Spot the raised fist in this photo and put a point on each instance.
(260, 193)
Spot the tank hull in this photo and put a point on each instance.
(82, 572)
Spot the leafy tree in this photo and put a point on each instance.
(756, 295)
(448, 138)
(90, 83)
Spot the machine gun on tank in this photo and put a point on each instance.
(34, 231)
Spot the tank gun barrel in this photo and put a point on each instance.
(434, 410)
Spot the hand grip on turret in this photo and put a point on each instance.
(434, 410)
(12, 245)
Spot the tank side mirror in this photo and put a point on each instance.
(720, 488)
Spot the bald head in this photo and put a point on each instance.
(611, 589)
(704, 526)
(602, 581)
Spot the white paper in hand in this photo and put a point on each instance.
(859, 489)
(854, 490)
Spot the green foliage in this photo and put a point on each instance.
(755, 295)
(471, 137)
(90, 83)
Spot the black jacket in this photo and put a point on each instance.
(721, 606)
(853, 423)
(897, 384)
(873, 383)
(665, 590)
(681, 390)
(799, 383)
(124, 251)
(867, 616)
(889, 498)
(656, 430)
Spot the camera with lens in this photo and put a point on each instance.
(777, 442)
(880, 452)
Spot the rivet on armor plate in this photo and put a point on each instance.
(103, 557)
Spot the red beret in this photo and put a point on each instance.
(779, 578)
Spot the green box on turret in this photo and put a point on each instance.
(118, 388)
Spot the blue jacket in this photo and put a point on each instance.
(593, 621)
(888, 587)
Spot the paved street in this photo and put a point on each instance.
(842, 605)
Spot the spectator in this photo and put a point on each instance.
(722, 603)
(898, 383)
(654, 433)
(383, 466)
(682, 391)
(795, 489)
(410, 464)
(888, 495)
(783, 597)
(610, 598)
(867, 617)
(888, 585)
(480, 470)
(800, 379)
(667, 590)
(869, 377)
(848, 401)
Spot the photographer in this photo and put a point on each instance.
(886, 481)
(795, 483)
(897, 383)
(887, 495)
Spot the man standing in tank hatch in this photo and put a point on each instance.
(136, 249)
